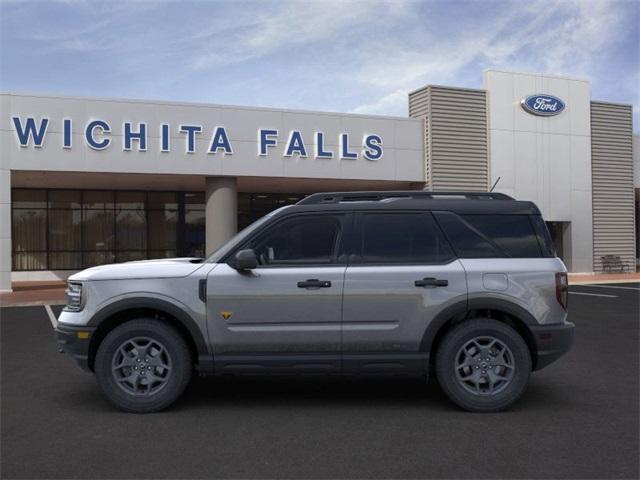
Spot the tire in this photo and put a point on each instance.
(472, 382)
(143, 366)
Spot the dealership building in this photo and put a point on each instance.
(89, 181)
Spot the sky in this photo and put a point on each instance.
(344, 56)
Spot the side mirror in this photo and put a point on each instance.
(245, 260)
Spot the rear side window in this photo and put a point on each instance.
(466, 240)
(395, 238)
(490, 235)
(514, 234)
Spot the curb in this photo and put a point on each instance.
(35, 303)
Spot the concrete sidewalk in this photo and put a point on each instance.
(34, 293)
(52, 293)
(596, 278)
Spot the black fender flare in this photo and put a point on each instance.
(460, 309)
(185, 319)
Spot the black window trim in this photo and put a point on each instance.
(357, 231)
(338, 248)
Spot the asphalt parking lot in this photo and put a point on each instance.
(578, 419)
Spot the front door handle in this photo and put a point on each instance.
(314, 283)
(431, 282)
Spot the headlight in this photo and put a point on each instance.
(73, 295)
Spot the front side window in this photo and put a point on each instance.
(304, 240)
(412, 238)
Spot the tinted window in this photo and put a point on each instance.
(467, 242)
(301, 240)
(487, 236)
(402, 238)
(514, 234)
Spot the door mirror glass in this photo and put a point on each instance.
(245, 260)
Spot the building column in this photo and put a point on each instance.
(221, 220)
(5, 229)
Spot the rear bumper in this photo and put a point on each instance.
(552, 341)
(74, 341)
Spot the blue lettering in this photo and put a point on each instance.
(67, 137)
(29, 131)
(140, 136)
(345, 154)
(372, 147)
(219, 140)
(320, 151)
(264, 141)
(88, 134)
(295, 144)
(164, 138)
(191, 131)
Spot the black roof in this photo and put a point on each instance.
(458, 202)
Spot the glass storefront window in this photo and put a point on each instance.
(98, 199)
(64, 199)
(162, 229)
(130, 200)
(162, 201)
(24, 198)
(131, 230)
(56, 229)
(29, 237)
(64, 241)
(98, 230)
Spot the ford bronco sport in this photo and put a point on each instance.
(462, 285)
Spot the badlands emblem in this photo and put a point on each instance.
(226, 315)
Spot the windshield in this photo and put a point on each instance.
(240, 236)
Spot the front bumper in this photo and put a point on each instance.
(552, 341)
(74, 340)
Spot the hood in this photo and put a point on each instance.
(162, 268)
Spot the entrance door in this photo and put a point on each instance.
(286, 313)
(556, 230)
(402, 275)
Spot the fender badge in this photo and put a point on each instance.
(226, 315)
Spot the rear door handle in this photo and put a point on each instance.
(314, 283)
(431, 282)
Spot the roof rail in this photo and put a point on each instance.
(377, 196)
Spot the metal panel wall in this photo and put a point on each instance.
(455, 136)
(612, 179)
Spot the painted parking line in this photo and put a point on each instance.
(52, 317)
(593, 294)
(611, 286)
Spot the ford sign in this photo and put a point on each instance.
(544, 105)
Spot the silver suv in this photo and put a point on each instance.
(463, 285)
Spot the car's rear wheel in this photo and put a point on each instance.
(483, 365)
(143, 365)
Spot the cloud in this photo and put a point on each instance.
(394, 103)
(562, 37)
(361, 56)
(290, 25)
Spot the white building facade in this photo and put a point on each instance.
(87, 181)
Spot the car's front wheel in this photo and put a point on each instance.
(483, 365)
(143, 365)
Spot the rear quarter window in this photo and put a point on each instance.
(513, 234)
(491, 235)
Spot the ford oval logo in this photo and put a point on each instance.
(540, 104)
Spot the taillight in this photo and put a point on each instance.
(562, 289)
